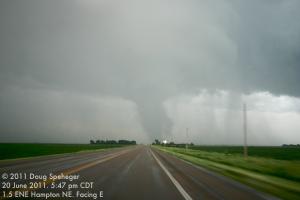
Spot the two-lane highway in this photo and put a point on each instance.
(138, 172)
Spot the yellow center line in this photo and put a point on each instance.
(71, 171)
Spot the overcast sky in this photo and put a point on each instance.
(74, 70)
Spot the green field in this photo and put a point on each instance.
(278, 177)
(21, 150)
(275, 152)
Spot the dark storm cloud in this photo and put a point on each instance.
(268, 40)
(145, 51)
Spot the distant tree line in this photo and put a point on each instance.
(170, 144)
(123, 142)
(291, 145)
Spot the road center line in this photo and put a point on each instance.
(174, 181)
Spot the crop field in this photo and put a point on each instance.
(20, 150)
(275, 152)
(280, 177)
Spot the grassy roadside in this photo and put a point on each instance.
(23, 150)
(277, 177)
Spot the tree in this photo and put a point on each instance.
(127, 142)
(111, 142)
(133, 142)
(123, 142)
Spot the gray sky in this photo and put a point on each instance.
(71, 70)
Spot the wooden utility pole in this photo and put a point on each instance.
(245, 130)
(186, 145)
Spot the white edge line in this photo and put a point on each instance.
(174, 181)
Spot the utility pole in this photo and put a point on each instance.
(245, 130)
(186, 145)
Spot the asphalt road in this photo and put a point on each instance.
(138, 172)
